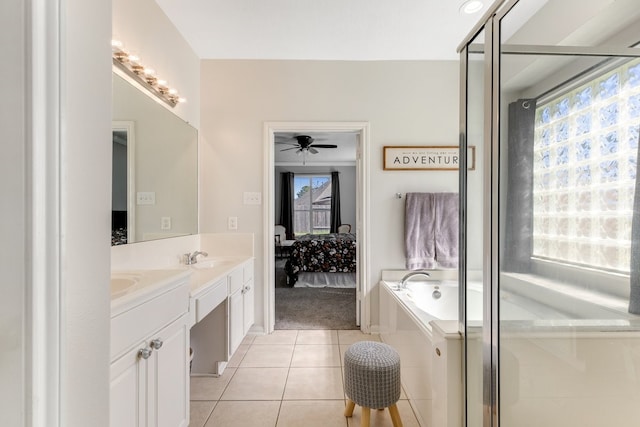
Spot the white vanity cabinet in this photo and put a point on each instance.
(248, 297)
(241, 309)
(150, 361)
(223, 312)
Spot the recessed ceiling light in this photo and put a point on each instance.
(471, 6)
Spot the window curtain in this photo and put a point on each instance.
(634, 266)
(286, 204)
(336, 220)
(518, 243)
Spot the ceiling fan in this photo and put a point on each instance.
(304, 144)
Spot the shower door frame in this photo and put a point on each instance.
(493, 49)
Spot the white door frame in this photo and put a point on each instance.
(362, 211)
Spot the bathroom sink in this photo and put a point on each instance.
(132, 287)
(120, 284)
(208, 263)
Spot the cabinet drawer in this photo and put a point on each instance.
(210, 300)
(136, 324)
(247, 272)
(235, 280)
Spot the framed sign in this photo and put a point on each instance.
(414, 158)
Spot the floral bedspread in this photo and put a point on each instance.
(328, 253)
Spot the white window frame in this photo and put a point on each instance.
(310, 211)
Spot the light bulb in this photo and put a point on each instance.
(471, 6)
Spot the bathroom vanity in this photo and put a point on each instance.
(160, 309)
(149, 349)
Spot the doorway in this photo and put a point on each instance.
(282, 131)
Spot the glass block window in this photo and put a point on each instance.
(585, 152)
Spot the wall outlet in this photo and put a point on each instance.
(146, 198)
(233, 223)
(165, 223)
(252, 198)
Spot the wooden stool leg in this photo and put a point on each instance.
(366, 416)
(348, 411)
(395, 416)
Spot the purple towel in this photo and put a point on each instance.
(431, 230)
(419, 235)
(446, 229)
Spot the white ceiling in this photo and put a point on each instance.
(322, 29)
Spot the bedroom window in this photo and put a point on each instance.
(312, 204)
(585, 150)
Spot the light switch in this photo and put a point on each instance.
(252, 198)
(165, 223)
(233, 223)
(146, 198)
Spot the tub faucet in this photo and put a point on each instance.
(405, 279)
(192, 258)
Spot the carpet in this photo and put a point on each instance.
(315, 308)
(281, 276)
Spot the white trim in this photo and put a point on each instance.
(362, 171)
(44, 337)
(319, 163)
(129, 127)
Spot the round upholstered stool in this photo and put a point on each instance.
(372, 379)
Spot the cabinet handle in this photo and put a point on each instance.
(157, 343)
(145, 353)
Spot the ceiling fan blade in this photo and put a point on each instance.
(287, 143)
(325, 146)
(313, 150)
(292, 148)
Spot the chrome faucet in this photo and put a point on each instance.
(405, 279)
(193, 257)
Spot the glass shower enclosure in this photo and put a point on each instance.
(550, 99)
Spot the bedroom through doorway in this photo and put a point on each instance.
(316, 270)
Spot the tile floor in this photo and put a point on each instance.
(287, 379)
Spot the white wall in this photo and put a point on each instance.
(79, 109)
(406, 103)
(145, 30)
(13, 224)
(85, 220)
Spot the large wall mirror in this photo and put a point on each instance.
(155, 169)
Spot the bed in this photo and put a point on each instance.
(325, 260)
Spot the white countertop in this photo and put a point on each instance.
(132, 287)
(203, 277)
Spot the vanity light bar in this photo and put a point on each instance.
(145, 76)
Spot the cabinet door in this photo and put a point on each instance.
(248, 311)
(128, 389)
(236, 321)
(169, 376)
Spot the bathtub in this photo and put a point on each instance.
(543, 331)
(438, 299)
(420, 322)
